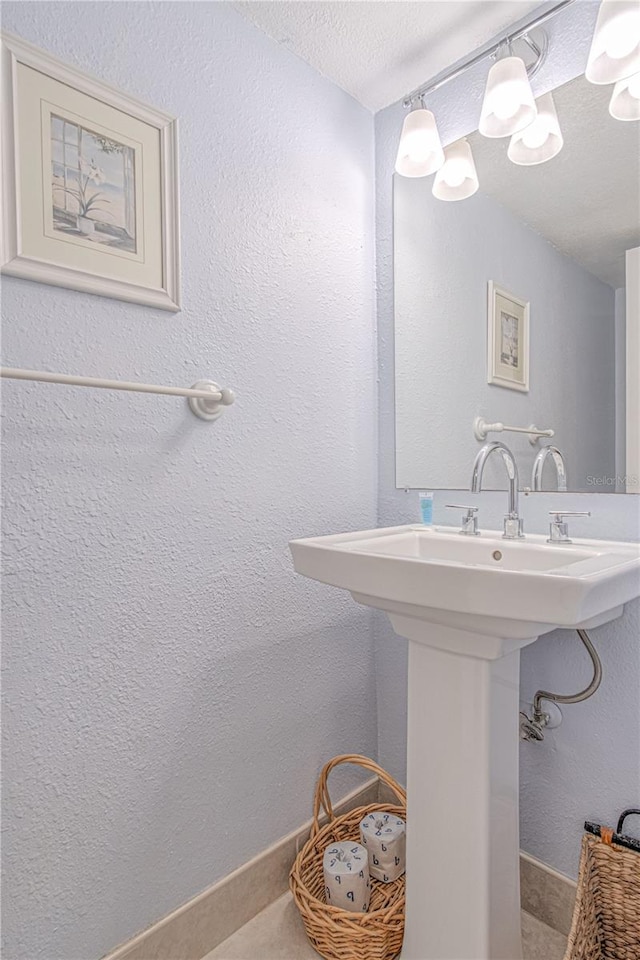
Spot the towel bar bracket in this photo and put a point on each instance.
(213, 408)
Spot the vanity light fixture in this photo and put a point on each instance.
(615, 49)
(625, 100)
(541, 140)
(508, 108)
(457, 178)
(508, 105)
(420, 151)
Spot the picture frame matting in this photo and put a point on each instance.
(132, 256)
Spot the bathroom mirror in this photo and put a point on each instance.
(543, 247)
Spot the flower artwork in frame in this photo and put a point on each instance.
(93, 187)
(89, 183)
(507, 340)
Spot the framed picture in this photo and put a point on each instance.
(89, 183)
(507, 340)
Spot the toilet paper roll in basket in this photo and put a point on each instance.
(384, 836)
(346, 876)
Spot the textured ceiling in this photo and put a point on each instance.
(586, 201)
(378, 51)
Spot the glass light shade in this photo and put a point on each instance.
(625, 100)
(508, 104)
(615, 49)
(420, 152)
(541, 140)
(457, 178)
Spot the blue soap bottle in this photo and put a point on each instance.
(426, 508)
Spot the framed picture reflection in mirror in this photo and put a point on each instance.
(507, 340)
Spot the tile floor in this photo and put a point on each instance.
(278, 934)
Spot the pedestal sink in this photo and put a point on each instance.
(467, 605)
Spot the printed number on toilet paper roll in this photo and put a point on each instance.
(346, 876)
(384, 836)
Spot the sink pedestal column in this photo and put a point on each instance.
(463, 886)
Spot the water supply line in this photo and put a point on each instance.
(531, 728)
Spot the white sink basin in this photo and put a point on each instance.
(511, 590)
(467, 605)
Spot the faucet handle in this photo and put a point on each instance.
(558, 529)
(469, 519)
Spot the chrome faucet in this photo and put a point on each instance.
(512, 521)
(538, 467)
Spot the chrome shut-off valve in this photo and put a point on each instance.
(530, 728)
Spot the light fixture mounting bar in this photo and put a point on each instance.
(471, 61)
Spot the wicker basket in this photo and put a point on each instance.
(338, 934)
(606, 918)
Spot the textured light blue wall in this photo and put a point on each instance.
(590, 766)
(171, 688)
